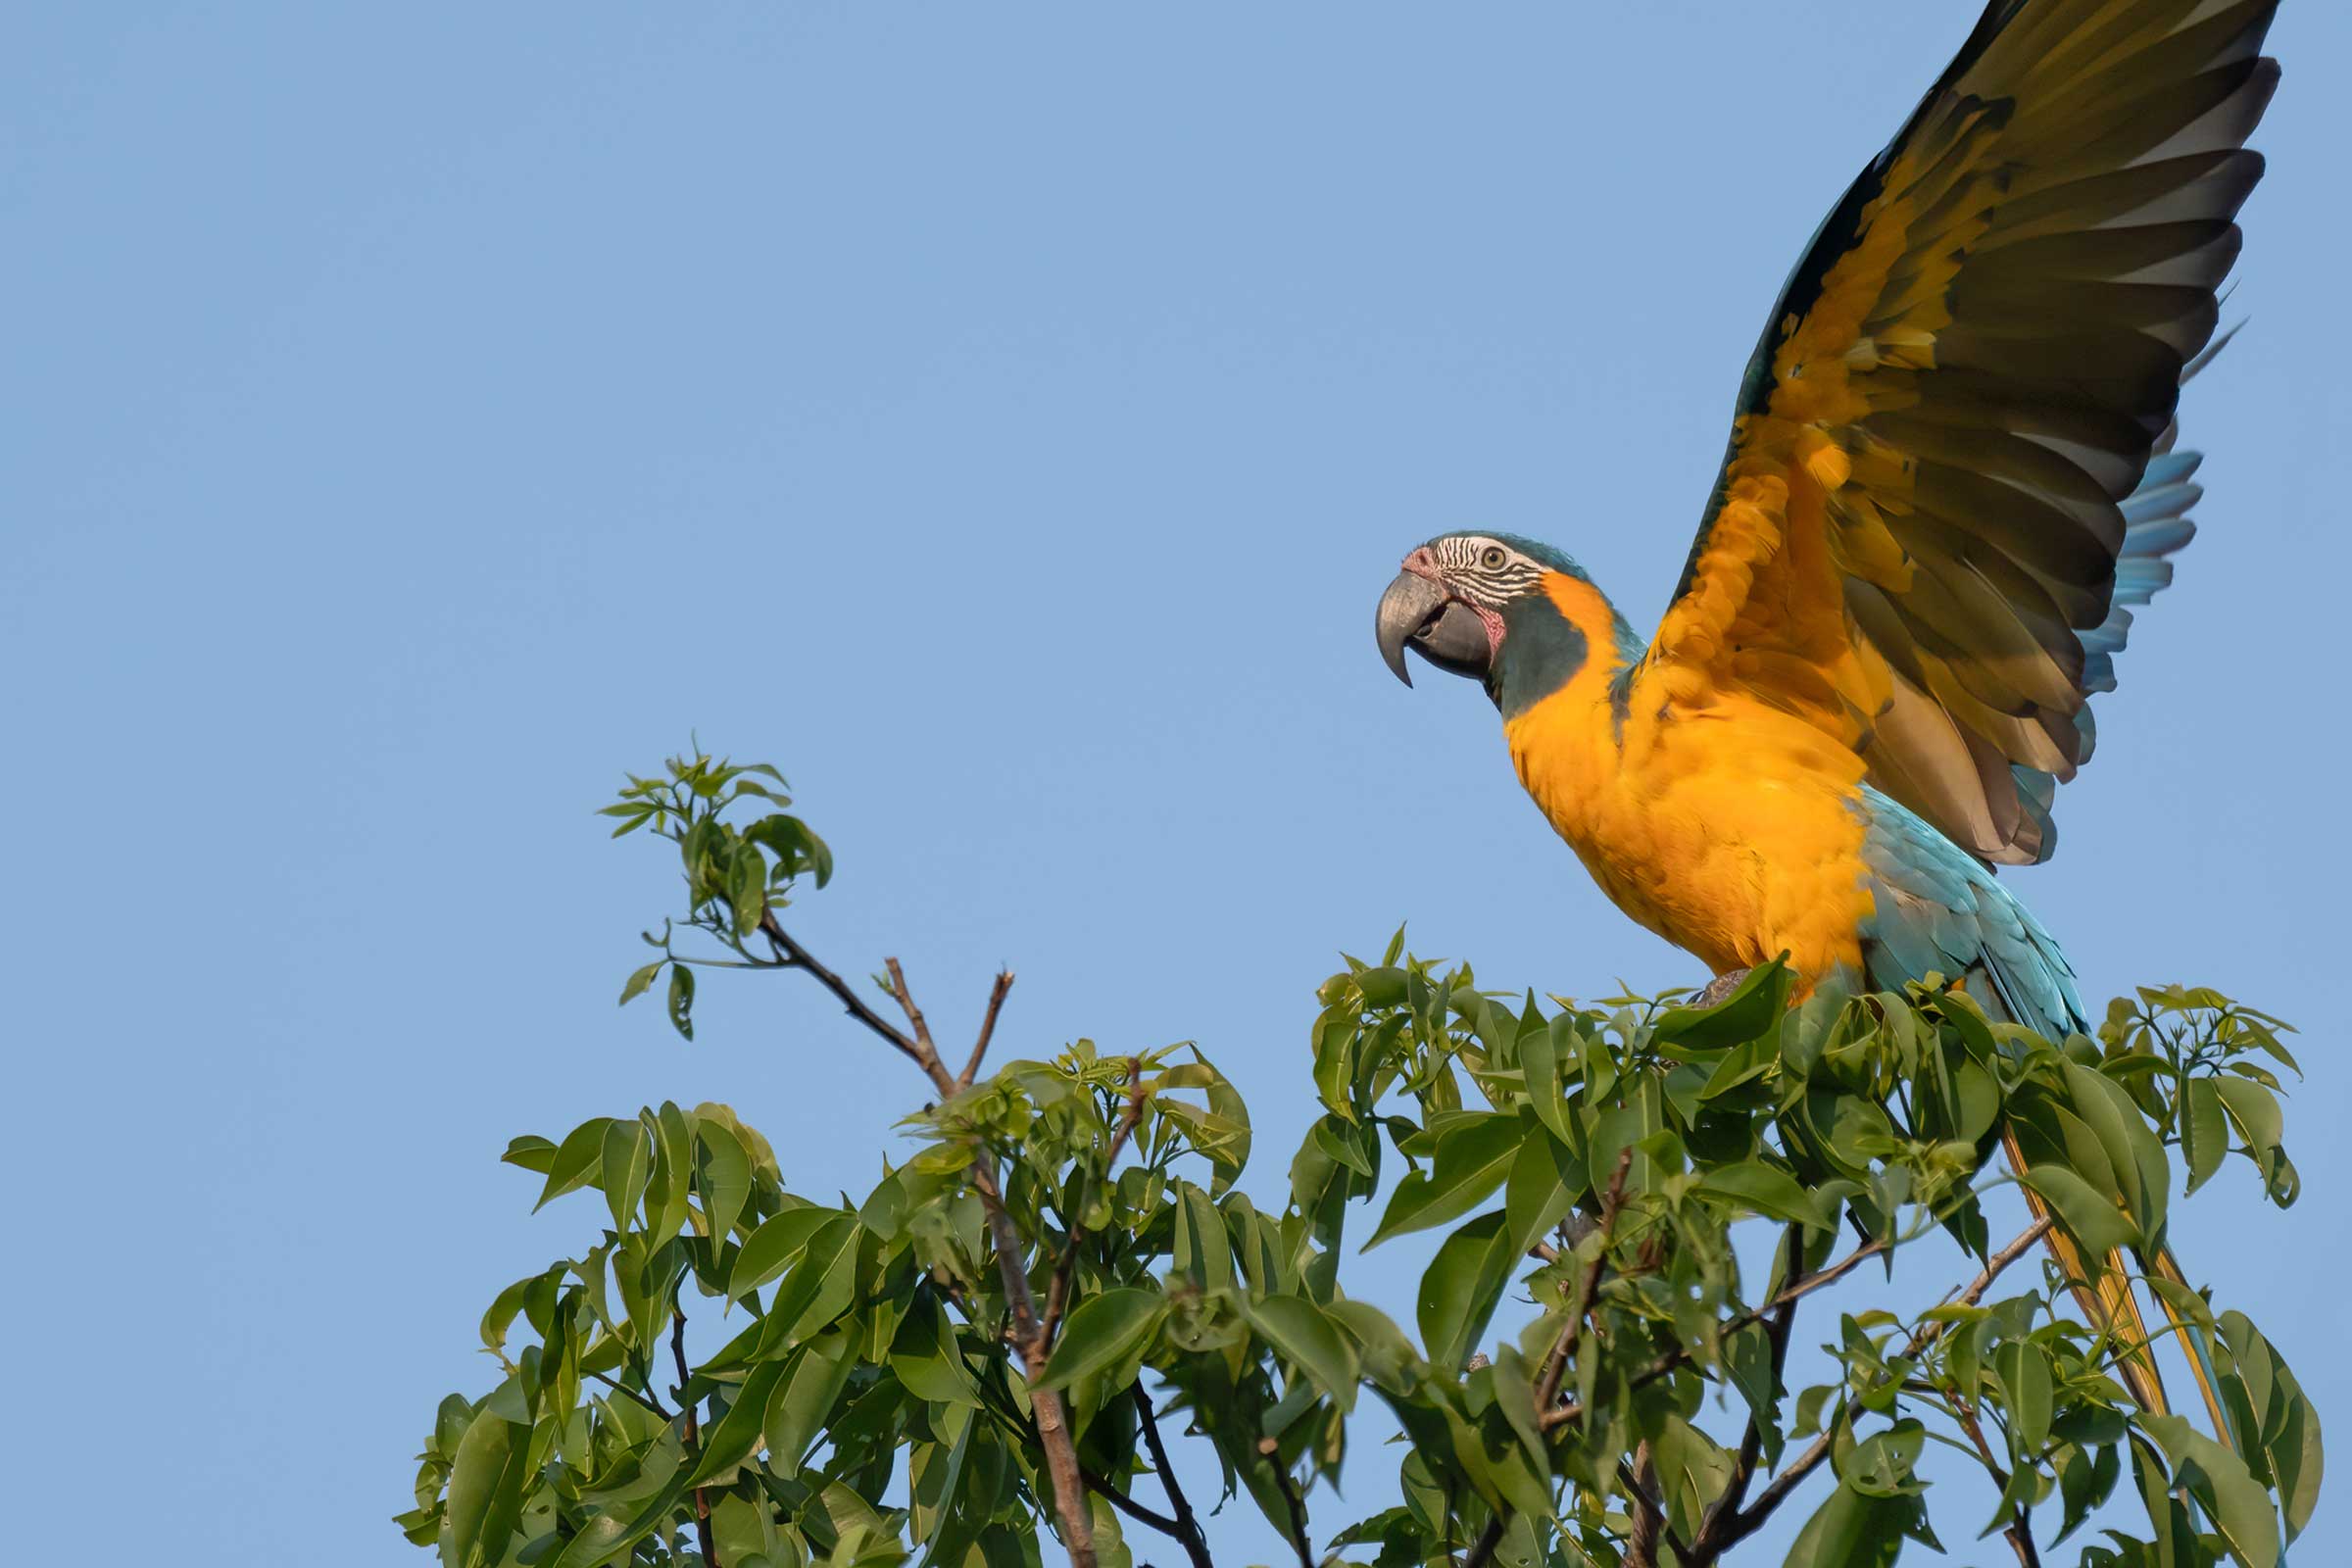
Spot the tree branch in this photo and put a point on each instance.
(1703, 1547)
(988, 1029)
(2019, 1530)
(1547, 1386)
(694, 1437)
(1290, 1495)
(928, 1057)
(793, 954)
(1649, 1520)
(1101, 1487)
(650, 1403)
(1188, 1530)
(1555, 1364)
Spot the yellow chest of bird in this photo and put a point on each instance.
(1725, 825)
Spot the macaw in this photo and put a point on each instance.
(1950, 478)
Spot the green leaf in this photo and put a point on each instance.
(2204, 1131)
(1461, 1288)
(1335, 1063)
(1203, 1248)
(925, 1356)
(578, 1159)
(500, 1314)
(1473, 1158)
(2218, 1478)
(942, 1521)
(1851, 1531)
(747, 890)
(667, 1195)
(1383, 1352)
(820, 1287)
(1544, 1055)
(647, 1274)
(2025, 1371)
(723, 1174)
(1741, 1064)
(1383, 988)
(1752, 1009)
(610, 1533)
(802, 1406)
(773, 1245)
(681, 999)
(2130, 1146)
(1767, 1190)
(1305, 1336)
(2255, 1109)
(1546, 1179)
(533, 1153)
(730, 1440)
(628, 1165)
(1226, 1105)
(485, 1490)
(1748, 1362)
(639, 980)
(2288, 1426)
(2097, 1220)
(1102, 1332)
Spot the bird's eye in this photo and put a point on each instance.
(1492, 558)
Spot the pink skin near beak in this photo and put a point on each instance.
(1423, 563)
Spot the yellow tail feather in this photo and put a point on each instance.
(2105, 1296)
(2166, 1266)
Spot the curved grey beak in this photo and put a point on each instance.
(1416, 612)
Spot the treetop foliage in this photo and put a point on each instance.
(1064, 1276)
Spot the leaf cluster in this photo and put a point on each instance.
(1592, 1377)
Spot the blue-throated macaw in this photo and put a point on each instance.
(1950, 477)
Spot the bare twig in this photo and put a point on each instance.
(1555, 1364)
(651, 1403)
(1547, 1386)
(1053, 1427)
(694, 1437)
(1290, 1495)
(793, 954)
(1102, 1487)
(988, 1029)
(1188, 1527)
(1813, 1282)
(1057, 1294)
(1999, 1261)
(915, 1014)
(1751, 1440)
(2019, 1530)
(1705, 1548)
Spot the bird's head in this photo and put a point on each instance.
(1467, 602)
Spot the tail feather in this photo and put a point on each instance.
(2164, 1265)
(2104, 1293)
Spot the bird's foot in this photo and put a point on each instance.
(1719, 989)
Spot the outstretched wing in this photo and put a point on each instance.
(1915, 539)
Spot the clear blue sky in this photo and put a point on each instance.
(1005, 418)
